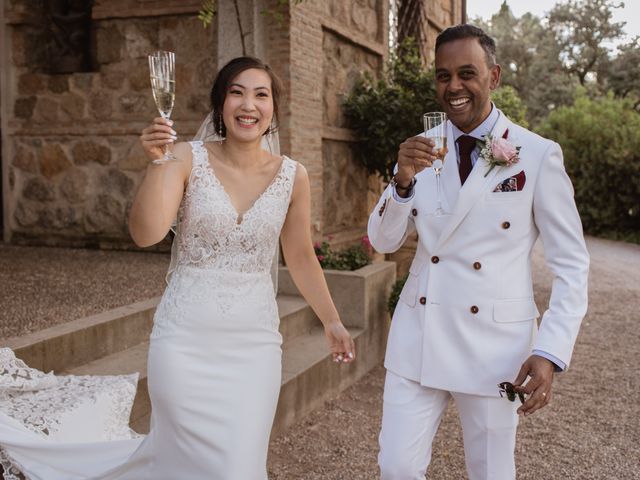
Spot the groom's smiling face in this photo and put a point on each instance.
(465, 77)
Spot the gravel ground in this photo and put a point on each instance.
(43, 286)
(590, 430)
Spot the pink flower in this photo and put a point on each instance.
(329, 237)
(320, 258)
(316, 245)
(365, 241)
(503, 151)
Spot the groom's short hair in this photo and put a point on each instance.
(465, 30)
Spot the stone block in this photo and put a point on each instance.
(135, 159)
(58, 83)
(141, 38)
(109, 44)
(205, 74)
(23, 108)
(25, 160)
(38, 189)
(47, 110)
(113, 79)
(199, 104)
(101, 105)
(116, 181)
(74, 185)
(88, 151)
(133, 103)
(73, 105)
(105, 215)
(26, 214)
(31, 83)
(53, 160)
(59, 218)
(139, 77)
(83, 81)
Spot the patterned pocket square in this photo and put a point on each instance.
(512, 184)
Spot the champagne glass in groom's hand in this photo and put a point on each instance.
(435, 128)
(163, 84)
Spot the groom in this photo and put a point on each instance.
(466, 318)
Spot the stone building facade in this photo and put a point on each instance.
(71, 160)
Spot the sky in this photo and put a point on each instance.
(485, 8)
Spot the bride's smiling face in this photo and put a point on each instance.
(248, 105)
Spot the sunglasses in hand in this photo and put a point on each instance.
(509, 390)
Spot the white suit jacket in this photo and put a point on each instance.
(466, 318)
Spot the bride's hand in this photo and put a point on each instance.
(156, 136)
(340, 342)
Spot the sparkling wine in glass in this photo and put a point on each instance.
(435, 128)
(163, 85)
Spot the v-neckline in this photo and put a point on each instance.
(241, 215)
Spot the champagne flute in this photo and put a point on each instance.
(435, 128)
(163, 84)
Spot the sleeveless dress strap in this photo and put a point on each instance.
(199, 154)
(289, 170)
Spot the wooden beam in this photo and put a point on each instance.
(360, 40)
(103, 9)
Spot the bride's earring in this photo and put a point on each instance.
(220, 127)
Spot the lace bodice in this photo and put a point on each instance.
(209, 234)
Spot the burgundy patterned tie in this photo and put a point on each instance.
(466, 144)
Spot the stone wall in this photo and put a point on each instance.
(72, 153)
(71, 156)
(332, 43)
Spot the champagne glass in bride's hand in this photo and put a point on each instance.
(163, 84)
(435, 128)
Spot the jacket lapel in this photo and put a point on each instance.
(474, 186)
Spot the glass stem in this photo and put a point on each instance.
(439, 209)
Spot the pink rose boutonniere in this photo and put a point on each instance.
(498, 152)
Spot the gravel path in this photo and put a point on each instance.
(42, 286)
(591, 429)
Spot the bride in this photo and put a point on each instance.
(215, 351)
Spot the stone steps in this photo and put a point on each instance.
(116, 342)
(84, 340)
(306, 368)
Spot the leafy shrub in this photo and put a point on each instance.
(507, 99)
(351, 258)
(600, 139)
(386, 112)
(394, 296)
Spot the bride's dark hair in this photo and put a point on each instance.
(221, 84)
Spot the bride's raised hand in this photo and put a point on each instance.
(340, 343)
(156, 136)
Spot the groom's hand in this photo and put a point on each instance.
(415, 154)
(538, 388)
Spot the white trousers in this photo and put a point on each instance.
(410, 418)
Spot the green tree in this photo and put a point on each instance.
(387, 111)
(623, 72)
(601, 142)
(530, 60)
(584, 29)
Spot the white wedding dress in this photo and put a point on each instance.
(214, 360)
